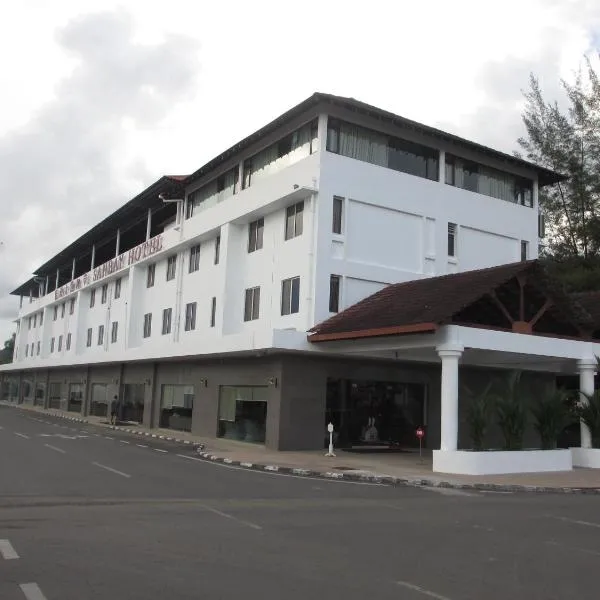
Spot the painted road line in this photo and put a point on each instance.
(111, 470)
(124, 441)
(576, 521)
(108, 437)
(159, 450)
(228, 516)
(21, 435)
(420, 590)
(55, 449)
(141, 446)
(7, 551)
(32, 591)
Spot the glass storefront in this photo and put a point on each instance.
(28, 391)
(375, 413)
(243, 413)
(40, 393)
(99, 400)
(54, 394)
(132, 408)
(176, 406)
(10, 389)
(76, 391)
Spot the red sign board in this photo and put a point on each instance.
(420, 433)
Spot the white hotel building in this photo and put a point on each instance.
(200, 303)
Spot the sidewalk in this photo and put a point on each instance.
(406, 468)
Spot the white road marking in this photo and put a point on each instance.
(21, 435)
(423, 591)
(7, 551)
(228, 516)
(124, 441)
(141, 446)
(573, 548)
(111, 470)
(32, 591)
(494, 492)
(55, 449)
(108, 437)
(274, 474)
(576, 521)
(159, 450)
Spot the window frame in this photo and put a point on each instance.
(114, 332)
(292, 218)
(337, 225)
(213, 311)
(92, 297)
(118, 288)
(256, 235)
(171, 267)
(150, 275)
(104, 293)
(217, 257)
(252, 304)
(59, 347)
(190, 316)
(452, 240)
(52, 345)
(72, 306)
(194, 260)
(89, 335)
(68, 342)
(524, 250)
(335, 283)
(147, 332)
(100, 335)
(288, 306)
(167, 315)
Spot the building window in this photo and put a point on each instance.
(252, 304)
(243, 413)
(37, 350)
(62, 310)
(255, 235)
(72, 306)
(334, 293)
(52, 345)
(56, 313)
(338, 213)
(380, 149)
(524, 250)
(294, 220)
(190, 316)
(166, 322)
(217, 249)
(114, 332)
(68, 341)
(92, 298)
(287, 151)
(176, 407)
(60, 338)
(290, 296)
(32, 347)
(452, 235)
(476, 177)
(104, 294)
(171, 266)
(88, 342)
(212, 193)
(118, 288)
(213, 311)
(41, 318)
(27, 351)
(35, 320)
(100, 335)
(194, 258)
(150, 275)
(147, 325)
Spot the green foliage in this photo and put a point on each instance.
(552, 413)
(479, 410)
(589, 413)
(6, 353)
(511, 404)
(568, 141)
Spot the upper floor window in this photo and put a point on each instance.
(452, 235)
(213, 311)
(29, 323)
(524, 250)
(52, 345)
(88, 341)
(151, 272)
(190, 316)
(381, 149)
(294, 220)
(290, 296)
(35, 320)
(62, 310)
(32, 346)
(147, 325)
(334, 293)
(166, 320)
(114, 332)
(104, 294)
(217, 249)
(37, 349)
(60, 339)
(41, 318)
(72, 306)
(194, 258)
(288, 150)
(171, 266)
(100, 335)
(212, 193)
(338, 214)
(255, 235)
(68, 347)
(56, 313)
(252, 304)
(118, 288)
(26, 350)
(484, 180)
(92, 297)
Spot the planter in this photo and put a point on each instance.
(498, 462)
(586, 457)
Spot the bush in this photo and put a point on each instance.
(478, 415)
(589, 413)
(552, 413)
(511, 410)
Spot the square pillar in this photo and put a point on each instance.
(587, 370)
(450, 357)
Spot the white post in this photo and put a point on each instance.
(93, 263)
(450, 356)
(118, 244)
(330, 430)
(587, 370)
(47, 284)
(73, 270)
(57, 277)
(149, 224)
(442, 167)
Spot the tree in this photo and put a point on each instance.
(568, 142)
(6, 354)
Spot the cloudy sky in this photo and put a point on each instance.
(99, 98)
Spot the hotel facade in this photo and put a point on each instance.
(337, 265)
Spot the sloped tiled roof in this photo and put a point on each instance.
(422, 305)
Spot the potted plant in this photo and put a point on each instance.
(511, 410)
(552, 413)
(589, 412)
(478, 414)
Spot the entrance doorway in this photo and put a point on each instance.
(375, 414)
(99, 403)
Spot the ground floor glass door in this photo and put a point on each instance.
(132, 408)
(99, 403)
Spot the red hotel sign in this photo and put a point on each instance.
(126, 259)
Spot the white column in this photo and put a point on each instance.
(587, 369)
(450, 356)
(73, 270)
(57, 277)
(442, 167)
(149, 224)
(118, 243)
(93, 263)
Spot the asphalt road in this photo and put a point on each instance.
(87, 513)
